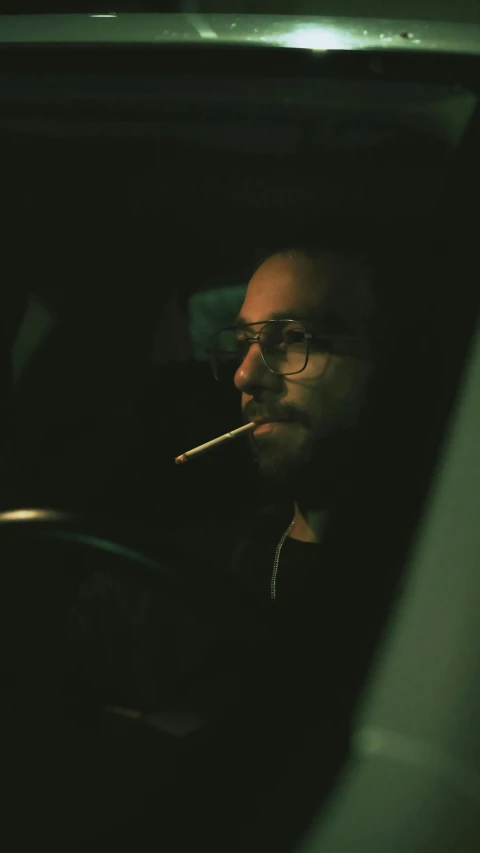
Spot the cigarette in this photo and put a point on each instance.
(235, 433)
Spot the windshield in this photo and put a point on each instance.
(414, 27)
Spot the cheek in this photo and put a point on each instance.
(305, 389)
(318, 366)
(330, 392)
(344, 392)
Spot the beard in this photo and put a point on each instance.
(301, 465)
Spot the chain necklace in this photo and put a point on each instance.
(273, 581)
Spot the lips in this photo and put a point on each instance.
(264, 427)
(261, 421)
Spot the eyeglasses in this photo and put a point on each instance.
(285, 346)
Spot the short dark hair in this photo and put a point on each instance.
(353, 305)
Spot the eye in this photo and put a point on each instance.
(294, 336)
(279, 337)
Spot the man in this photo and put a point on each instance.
(302, 354)
(305, 382)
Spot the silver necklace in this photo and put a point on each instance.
(273, 581)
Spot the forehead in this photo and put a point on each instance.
(284, 285)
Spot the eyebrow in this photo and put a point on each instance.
(240, 321)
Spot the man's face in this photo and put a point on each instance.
(313, 413)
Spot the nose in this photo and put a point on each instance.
(253, 373)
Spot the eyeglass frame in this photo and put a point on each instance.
(309, 337)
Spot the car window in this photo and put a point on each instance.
(141, 201)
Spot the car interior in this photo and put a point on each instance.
(139, 188)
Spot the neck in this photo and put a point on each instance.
(309, 524)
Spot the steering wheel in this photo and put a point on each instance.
(89, 620)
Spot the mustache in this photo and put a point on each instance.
(272, 413)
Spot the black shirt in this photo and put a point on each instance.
(318, 622)
(298, 563)
(273, 756)
(278, 750)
